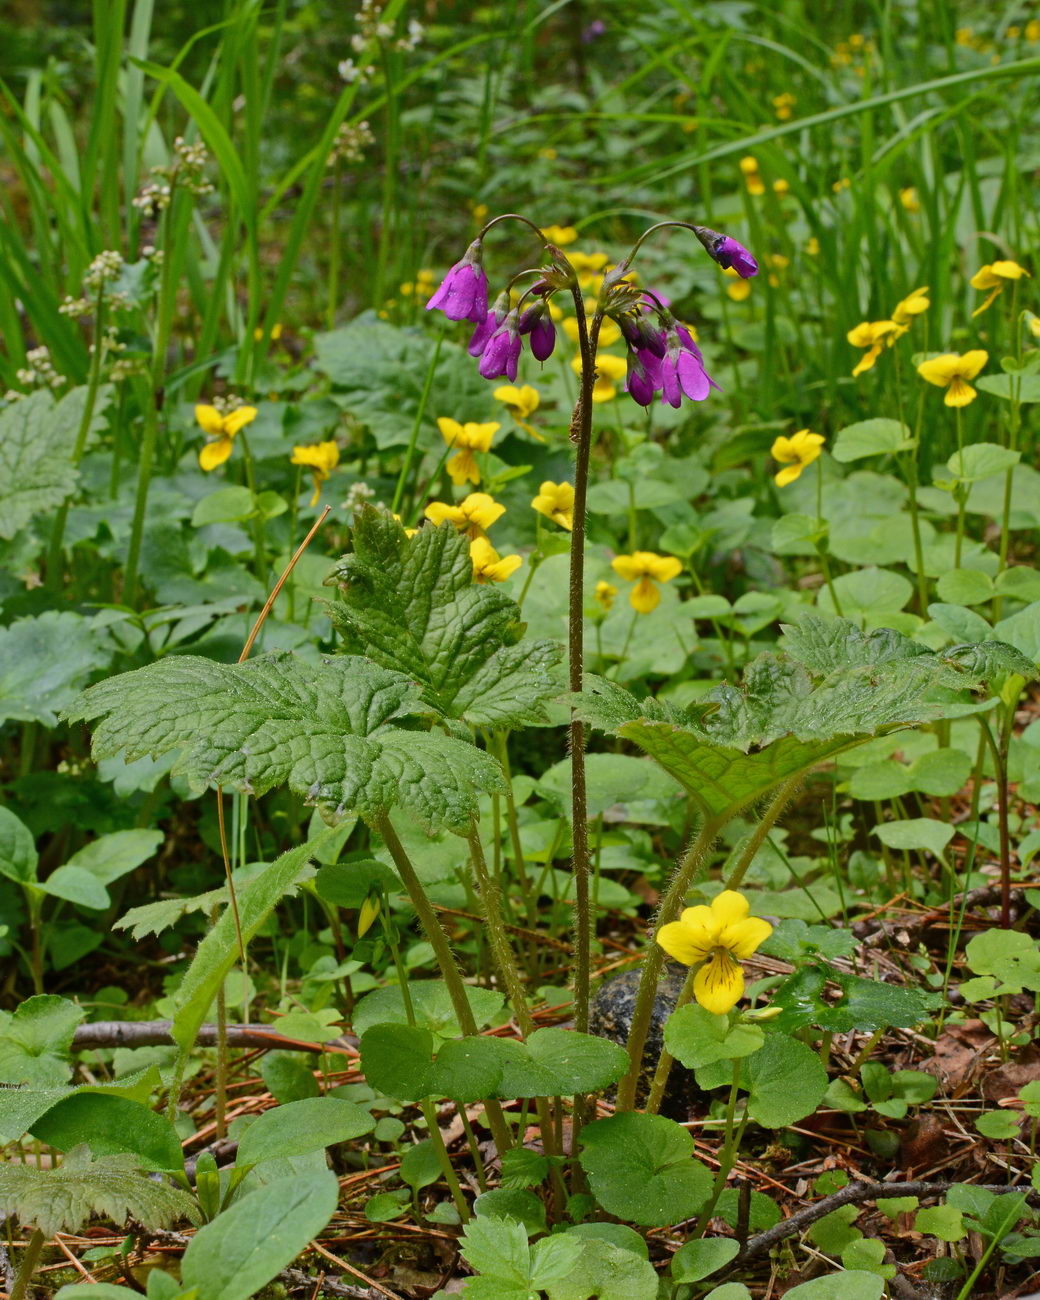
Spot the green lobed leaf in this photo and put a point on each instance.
(250, 1243)
(982, 460)
(497, 1248)
(411, 604)
(38, 435)
(65, 1198)
(36, 1040)
(641, 1168)
(339, 733)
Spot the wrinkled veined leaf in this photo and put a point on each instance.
(46, 661)
(36, 1039)
(342, 733)
(65, 1198)
(411, 604)
(641, 1168)
(37, 436)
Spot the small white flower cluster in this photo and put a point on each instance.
(350, 143)
(190, 166)
(228, 403)
(106, 266)
(371, 27)
(39, 372)
(357, 495)
(153, 198)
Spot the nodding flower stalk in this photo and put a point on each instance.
(663, 358)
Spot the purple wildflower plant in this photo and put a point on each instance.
(727, 252)
(666, 361)
(463, 293)
(502, 350)
(479, 339)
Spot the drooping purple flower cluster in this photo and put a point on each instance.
(663, 360)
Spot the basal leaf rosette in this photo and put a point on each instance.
(346, 734)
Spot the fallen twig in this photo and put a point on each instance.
(156, 1033)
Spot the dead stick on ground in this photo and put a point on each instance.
(157, 1033)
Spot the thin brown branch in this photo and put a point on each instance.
(157, 1033)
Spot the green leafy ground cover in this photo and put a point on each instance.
(303, 903)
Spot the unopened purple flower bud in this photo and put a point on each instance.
(502, 351)
(594, 30)
(543, 337)
(462, 294)
(639, 383)
(727, 252)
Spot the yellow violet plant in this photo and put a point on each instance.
(716, 939)
(605, 594)
(912, 305)
(468, 438)
(952, 371)
(994, 276)
(872, 335)
(646, 569)
(519, 402)
(221, 430)
(473, 516)
(556, 502)
(795, 454)
(322, 458)
(488, 565)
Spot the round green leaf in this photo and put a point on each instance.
(396, 1060)
(871, 438)
(786, 1082)
(965, 587)
(696, 1037)
(702, 1257)
(641, 1168)
(916, 833)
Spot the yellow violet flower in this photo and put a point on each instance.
(994, 276)
(221, 430)
(812, 246)
(588, 261)
(781, 187)
(783, 104)
(908, 198)
(488, 565)
(912, 305)
(716, 939)
(370, 909)
(795, 453)
(519, 402)
(737, 289)
(322, 458)
(556, 502)
(605, 594)
(873, 335)
(473, 516)
(952, 372)
(468, 438)
(646, 569)
(560, 235)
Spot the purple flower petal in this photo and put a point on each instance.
(543, 338)
(692, 377)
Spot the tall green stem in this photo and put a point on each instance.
(689, 867)
(27, 1266)
(727, 1156)
(581, 433)
(445, 960)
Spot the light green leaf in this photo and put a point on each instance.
(335, 733)
(249, 1244)
(432, 1006)
(916, 833)
(1022, 388)
(871, 438)
(579, 1062)
(225, 505)
(794, 534)
(641, 1168)
(511, 1203)
(302, 1126)
(110, 1125)
(36, 1040)
(419, 1165)
(940, 773)
(702, 1257)
(605, 1270)
(960, 623)
(21, 1107)
(982, 460)
(110, 857)
(696, 1037)
(410, 604)
(942, 1221)
(76, 886)
(867, 592)
(786, 1081)
(850, 1284)
(64, 1199)
(37, 437)
(497, 1248)
(46, 661)
(965, 587)
(1010, 955)
(18, 856)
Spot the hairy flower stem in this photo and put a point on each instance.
(445, 960)
(666, 1060)
(727, 1156)
(27, 1266)
(766, 823)
(581, 434)
(695, 857)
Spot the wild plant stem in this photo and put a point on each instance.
(766, 823)
(688, 870)
(501, 949)
(727, 1156)
(445, 960)
(27, 1267)
(666, 1060)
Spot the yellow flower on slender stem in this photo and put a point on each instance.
(473, 516)
(646, 569)
(322, 458)
(605, 594)
(716, 939)
(468, 438)
(873, 335)
(560, 235)
(221, 430)
(994, 276)
(795, 453)
(952, 372)
(519, 402)
(912, 305)
(488, 565)
(556, 502)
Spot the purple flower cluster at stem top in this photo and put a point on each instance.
(463, 293)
